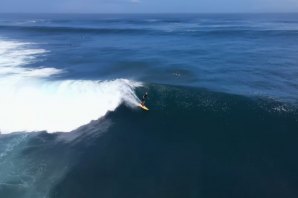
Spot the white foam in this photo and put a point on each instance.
(31, 102)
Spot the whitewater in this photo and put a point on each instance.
(31, 101)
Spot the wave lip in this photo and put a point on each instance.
(29, 101)
(62, 105)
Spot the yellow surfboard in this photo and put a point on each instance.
(143, 107)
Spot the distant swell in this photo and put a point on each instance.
(198, 31)
(76, 29)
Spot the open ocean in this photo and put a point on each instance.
(223, 100)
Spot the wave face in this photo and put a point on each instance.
(29, 101)
(190, 142)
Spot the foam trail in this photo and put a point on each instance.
(30, 102)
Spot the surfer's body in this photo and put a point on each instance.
(142, 104)
(145, 96)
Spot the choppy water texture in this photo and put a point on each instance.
(223, 117)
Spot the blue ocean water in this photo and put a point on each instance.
(222, 98)
(241, 54)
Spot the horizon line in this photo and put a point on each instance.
(151, 13)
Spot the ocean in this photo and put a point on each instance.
(222, 93)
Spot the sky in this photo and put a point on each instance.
(147, 6)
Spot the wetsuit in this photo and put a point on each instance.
(144, 98)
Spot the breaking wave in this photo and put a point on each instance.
(30, 101)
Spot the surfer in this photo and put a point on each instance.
(145, 96)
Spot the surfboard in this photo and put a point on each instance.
(143, 107)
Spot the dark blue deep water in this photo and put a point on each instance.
(223, 118)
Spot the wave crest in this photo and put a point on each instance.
(29, 102)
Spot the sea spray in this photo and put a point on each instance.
(30, 101)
